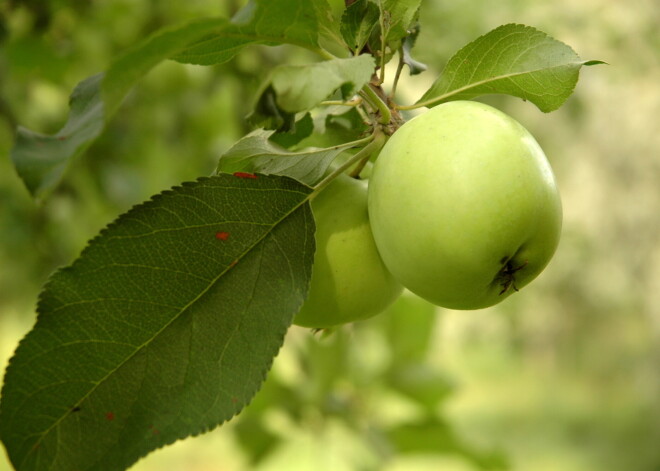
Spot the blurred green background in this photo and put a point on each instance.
(563, 376)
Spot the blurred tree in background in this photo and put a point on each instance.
(564, 376)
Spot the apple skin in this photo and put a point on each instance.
(349, 280)
(463, 206)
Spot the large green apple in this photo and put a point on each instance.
(463, 206)
(349, 280)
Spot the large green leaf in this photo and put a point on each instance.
(515, 60)
(255, 153)
(269, 22)
(163, 328)
(41, 159)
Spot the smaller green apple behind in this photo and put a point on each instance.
(463, 206)
(349, 280)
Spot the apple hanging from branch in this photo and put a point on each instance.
(463, 206)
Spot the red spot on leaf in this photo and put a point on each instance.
(110, 416)
(233, 264)
(244, 175)
(222, 235)
(62, 138)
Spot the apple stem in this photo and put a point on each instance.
(375, 101)
(399, 69)
(354, 102)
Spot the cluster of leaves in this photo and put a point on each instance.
(169, 320)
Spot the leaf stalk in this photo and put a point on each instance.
(377, 103)
(377, 140)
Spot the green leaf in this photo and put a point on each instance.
(41, 160)
(515, 60)
(407, 44)
(268, 114)
(255, 153)
(329, 34)
(270, 22)
(335, 125)
(398, 17)
(291, 89)
(358, 22)
(300, 88)
(164, 327)
(301, 129)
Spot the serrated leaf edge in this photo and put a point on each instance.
(143, 205)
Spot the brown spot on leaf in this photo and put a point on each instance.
(245, 175)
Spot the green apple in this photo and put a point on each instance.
(349, 280)
(463, 206)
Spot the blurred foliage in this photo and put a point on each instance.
(565, 375)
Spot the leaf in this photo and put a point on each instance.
(399, 17)
(164, 327)
(301, 129)
(407, 44)
(291, 89)
(335, 125)
(255, 153)
(358, 22)
(515, 60)
(328, 27)
(268, 114)
(300, 88)
(41, 160)
(270, 22)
